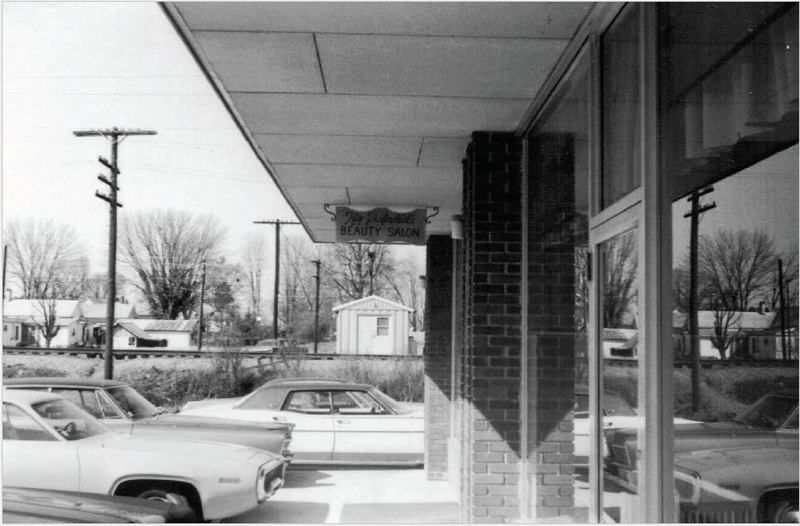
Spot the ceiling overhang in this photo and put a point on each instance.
(374, 104)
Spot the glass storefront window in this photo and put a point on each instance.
(622, 107)
(729, 87)
(558, 163)
(622, 419)
(729, 78)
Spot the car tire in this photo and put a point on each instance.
(783, 510)
(172, 496)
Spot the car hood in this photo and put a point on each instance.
(210, 402)
(191, 420)
(127, 444)
(710, 460)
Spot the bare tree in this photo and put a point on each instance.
(408, 291)
(619, 286)
(48, 326)
(166, 250)
(736, 268)
(254, 257)
(726, 330)
(45, 259)
(359, 270)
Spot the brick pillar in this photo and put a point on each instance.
(492, 335)
(438, 353)
(555, 233)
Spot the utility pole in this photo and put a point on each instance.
(316, 309)
(277, 223)
(694, 337)
(202, 299)
(784, 314)
(116, 136)
(371, 255)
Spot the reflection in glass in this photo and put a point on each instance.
(622, 106)
(619, 270)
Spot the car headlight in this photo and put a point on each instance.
(688, 485)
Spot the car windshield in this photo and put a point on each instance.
(135, 405)
(769, 412)
(71, 422)
(388, 402)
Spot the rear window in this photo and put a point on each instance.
(264, 398)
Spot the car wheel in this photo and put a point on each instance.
(783, 510)
(172, 496)
(163, 496)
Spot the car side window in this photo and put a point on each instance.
(792, 422)
(83, 398)
(308, 402)
(356, 403)
(19, 425)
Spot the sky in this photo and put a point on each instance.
(71, 66)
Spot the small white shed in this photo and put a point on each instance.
(372, 325)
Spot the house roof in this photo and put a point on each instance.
(372, 303)
(136, 331)
(27, 308)
(99, 310)
(748, 321)
(151, 325)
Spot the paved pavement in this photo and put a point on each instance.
(348, 496)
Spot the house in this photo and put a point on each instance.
(372, 325)
(80, 322)
(742, 330)
(169, 334)
(23, 318)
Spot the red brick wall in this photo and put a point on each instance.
(492, 336)
(438, 357)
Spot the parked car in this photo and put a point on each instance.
(120, 407)
(26, 505)
(740, 484)
(335, 422)
(50, 443)
(617, 414)
(279, 345)
(737, 466)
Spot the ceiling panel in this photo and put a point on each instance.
(382, 177)
(341, 149)
(437, 66)
(441, 151)
(472, 19)
(270, 62)
(374, 115)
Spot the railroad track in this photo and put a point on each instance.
(261, 355)
(122, 354)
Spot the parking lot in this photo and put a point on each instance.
(341, 495)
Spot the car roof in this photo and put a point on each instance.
(22, 396)
(315, 383)
(62, 381)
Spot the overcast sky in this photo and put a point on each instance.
(75, 66)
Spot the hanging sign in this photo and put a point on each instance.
(380, 225)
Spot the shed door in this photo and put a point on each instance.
(374, 335)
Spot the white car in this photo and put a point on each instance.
(50, 443)
(617, 414)
(335, 422)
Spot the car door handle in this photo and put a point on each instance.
(343, 421)
(279, 419)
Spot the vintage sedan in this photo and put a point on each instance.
(335, 422)
(120, 407)
(50, 443)
(748, 456)
(744, 484)
(26, 505)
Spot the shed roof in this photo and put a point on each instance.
(372, 303)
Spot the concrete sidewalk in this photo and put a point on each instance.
(347, 496)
